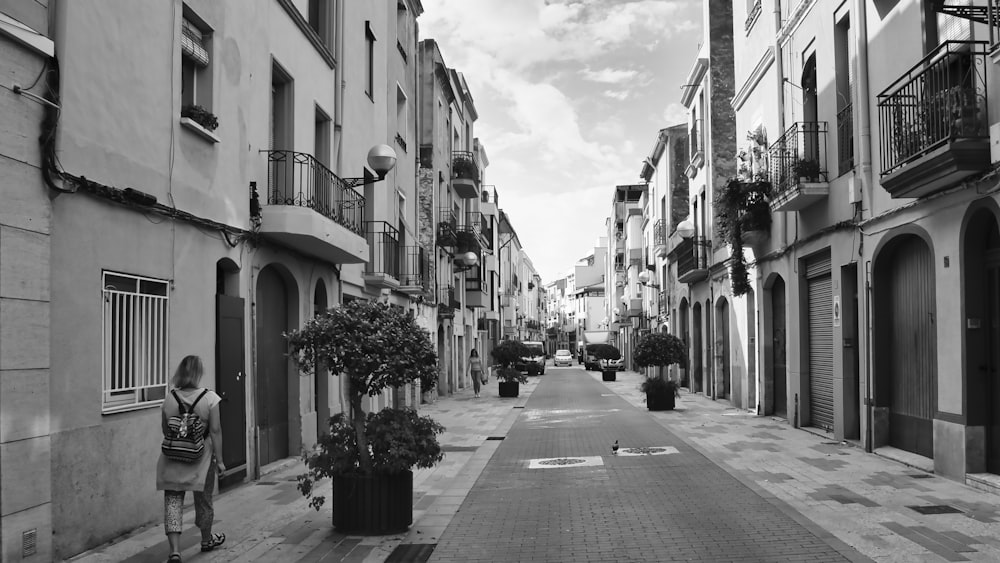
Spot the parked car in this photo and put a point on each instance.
(535, 362)
(617, 365)
(563, 358)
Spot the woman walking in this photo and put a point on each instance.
(173, 477)
(475, 370)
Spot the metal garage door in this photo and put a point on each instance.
(820, 292)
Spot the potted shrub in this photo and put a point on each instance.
(742, 207)
(201, 116)
(506, 355)
(369, 455)
(606, 352)
(807, 170)
(659, 349)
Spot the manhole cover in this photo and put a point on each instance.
(647, 450)
(936, 509)
(554, 462)
(562, 461)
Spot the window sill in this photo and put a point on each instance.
(194, 127)
(129, 408)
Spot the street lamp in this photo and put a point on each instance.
(381, 159)
(644, 280)
(466, 261)
(686, 231)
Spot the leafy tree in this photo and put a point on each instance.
(507, 354)
(659, 349)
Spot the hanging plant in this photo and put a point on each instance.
(742, 207)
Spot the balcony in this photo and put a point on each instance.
(447, 302)
(311, 209)
(447, 229)
(476, 289)
(798, 168)
(692, 261)
(933, 122)
(634, 308)
(416, 270)
(660, 238)
(635, 257)
(484, 226)
(469, 235)
(465, 174)
(383, 267)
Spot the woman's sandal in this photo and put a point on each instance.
(174, 558)
(216, 541)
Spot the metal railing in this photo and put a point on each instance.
(447, 229)
(845, 139)
(384, 250)
(416, 267)
(474, 280)
(659, 233)
(295, 178)
(464, 165)
(691, 256)
(800, 153)
(943, 97)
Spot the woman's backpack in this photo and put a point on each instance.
(185, 439)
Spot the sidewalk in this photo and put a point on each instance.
(886, 509)
(269, 520)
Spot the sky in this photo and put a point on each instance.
(570, 96)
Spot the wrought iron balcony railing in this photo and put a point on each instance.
(416, 267)
(940, 99)
(660, 233)
(798, 155)
(447, 230)
(464, 165)
(697, 145)
(383, 248)
(845, 139)
(295, 178)
(692, 257)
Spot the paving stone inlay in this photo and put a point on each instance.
(548, 463)
(665, 450)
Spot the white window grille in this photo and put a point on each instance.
(136, 321)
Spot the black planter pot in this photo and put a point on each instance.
(509, 388)
(609, 375)
(660, 401)
(373, 504)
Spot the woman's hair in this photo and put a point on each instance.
(189, 372)
(474, 353)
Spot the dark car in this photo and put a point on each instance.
(534, 362)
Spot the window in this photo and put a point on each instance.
(281, 108)
(321, 20)
(196, 62)
(402, 118)
(404, 34)
(369, 61)
(321, 134)
(135, 343)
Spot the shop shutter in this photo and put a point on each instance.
(820, 294)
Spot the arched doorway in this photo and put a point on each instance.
(685, 336)
(322, 376)
(697, 373)
(273, 319)
(723, 384)
(905, 343)
(982, 340)
(779, 374)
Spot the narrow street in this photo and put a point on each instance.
(727, 486)
(657, 500)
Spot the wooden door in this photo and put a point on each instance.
(272, 368)
(779, 374)
(231, 382)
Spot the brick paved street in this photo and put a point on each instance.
(738, 488)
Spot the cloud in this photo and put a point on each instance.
(609, 75)
(619, 95)
(675, 113)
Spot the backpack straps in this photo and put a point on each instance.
(185, 409)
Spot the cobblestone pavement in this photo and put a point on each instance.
(736, 480)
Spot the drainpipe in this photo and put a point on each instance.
(863, 112)
(869, 394)
(339, 88)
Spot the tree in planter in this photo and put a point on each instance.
(741, 207)
(605, 352)
(506, 355)
(659, 349)
(376, 347)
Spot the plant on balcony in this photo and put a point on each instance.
(659, 349)
(464, 167)
(369, 455)
(201, 116)
(506, 355)
(742, 207)
(807, 169)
